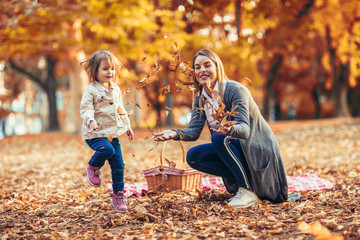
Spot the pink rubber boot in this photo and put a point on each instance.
(93, 176)
(118, 202)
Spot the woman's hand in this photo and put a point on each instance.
(225, 128)
(221, 130)
(130, 134)
(165, 135)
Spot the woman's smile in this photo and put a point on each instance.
(205, 70)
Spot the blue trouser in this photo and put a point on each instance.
(111, 151)
(222, 157)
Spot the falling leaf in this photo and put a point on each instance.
(165, 90)
(138, 105)
(186, 83)
(151, 77)
(157, 143)
(126, 91)
(131, 112)
(152, 132)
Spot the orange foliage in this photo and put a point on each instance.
(321, 233)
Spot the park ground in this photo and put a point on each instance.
(44, 193)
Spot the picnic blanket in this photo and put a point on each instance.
(302, 182)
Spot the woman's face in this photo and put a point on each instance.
(205, 71)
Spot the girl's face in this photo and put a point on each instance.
(205, 71)
(106, 73)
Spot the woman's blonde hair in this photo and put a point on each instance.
(219, 70)
(92, 64)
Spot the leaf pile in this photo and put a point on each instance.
(45, 195)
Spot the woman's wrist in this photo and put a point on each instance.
(176, 136)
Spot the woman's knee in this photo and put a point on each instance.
(217, 140)
(191, 156)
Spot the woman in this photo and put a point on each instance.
(245, 154)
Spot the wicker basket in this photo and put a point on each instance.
(165, 179)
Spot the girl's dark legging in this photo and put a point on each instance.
(111, 151)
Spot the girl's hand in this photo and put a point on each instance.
(93, 126)
(165, 135)
(130, 134)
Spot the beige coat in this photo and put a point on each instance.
(106, 108)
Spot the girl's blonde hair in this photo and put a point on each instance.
(92, 64)
(219, 70)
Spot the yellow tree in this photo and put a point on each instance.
(31, 31)
(338, 21)
(64, 32)
(288, 40)
(213, 25)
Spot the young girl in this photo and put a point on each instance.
(246, 155)
(104, 119)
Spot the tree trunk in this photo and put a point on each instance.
(339, 75)
(317, 103)
(270, 80)
(279, 115)
(354, 101)
(238, 18)
(78, 82)
(158, 107)
(169, 100)
(340, 92)
(50, 88)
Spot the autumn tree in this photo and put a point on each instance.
(31, 31)
(287, 38)
(342, 43)
(128, 28)
(304, 48)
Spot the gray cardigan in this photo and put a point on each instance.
(260, 147)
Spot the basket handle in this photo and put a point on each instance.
(162, 156)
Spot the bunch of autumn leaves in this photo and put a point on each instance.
(176, 65)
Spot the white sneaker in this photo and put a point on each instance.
(243, 199)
